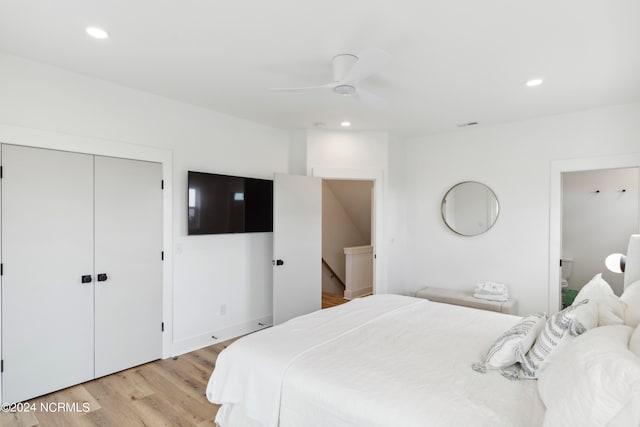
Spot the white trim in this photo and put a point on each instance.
(377, 176)
(65, 142)
(190, 344)
(555, 210)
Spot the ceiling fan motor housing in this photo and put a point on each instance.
(342, 65)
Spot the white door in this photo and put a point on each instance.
(297, 246)
(128, 248)
(47, 248)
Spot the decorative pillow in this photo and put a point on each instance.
(519, 337)
(561, 328)
(592, 381)
(631, 297)
(610, 308)
(587, 314)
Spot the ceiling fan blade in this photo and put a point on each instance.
(369, 62)
(300, 89)
(369, 99)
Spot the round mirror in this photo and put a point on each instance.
(470, 208)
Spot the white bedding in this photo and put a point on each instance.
(384, 360)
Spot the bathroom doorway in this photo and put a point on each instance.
(558, 169)
(599, 212)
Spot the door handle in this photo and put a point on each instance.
(102, 277)
(86, 278)
(279, 262)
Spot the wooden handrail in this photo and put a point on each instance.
(334, 274)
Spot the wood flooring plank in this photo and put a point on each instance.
(78, 394)
(331, 300)
(18, 419)
(115, 411)
(195, 403)
(129, 384)
(50, 414)
(157, 411)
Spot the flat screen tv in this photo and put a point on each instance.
(220, 204)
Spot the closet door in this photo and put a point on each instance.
(128, 245)
(47, 247)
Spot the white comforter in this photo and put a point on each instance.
(384, 360)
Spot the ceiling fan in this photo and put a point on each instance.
(348, 71)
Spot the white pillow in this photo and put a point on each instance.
(629, 415)
(561, 328)
(592, 380)
(519, 337)
(631, 297)
(634, 342)
(610, 308)
(587, 314)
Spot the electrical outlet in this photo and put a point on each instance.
(223, 309)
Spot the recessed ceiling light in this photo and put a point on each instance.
(98, 33)
(345, 124)
(534, 82)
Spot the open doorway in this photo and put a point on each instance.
(599, 212)
(558, 168)
(347, 240)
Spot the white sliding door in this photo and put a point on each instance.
(47, 239)
(297, 246)
(128, 245)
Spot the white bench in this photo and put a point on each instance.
(466, 299)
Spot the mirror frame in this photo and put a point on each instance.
(444, 198)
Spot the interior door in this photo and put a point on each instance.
(128, 248)
(297, 246)
(47, 248)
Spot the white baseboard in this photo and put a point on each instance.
(356, 293)
(204, 340)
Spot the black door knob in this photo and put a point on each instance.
(102, 277)
(86, 278)
(279, 262)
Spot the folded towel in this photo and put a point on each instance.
(491, 291)
(492, 288)
(491, 297)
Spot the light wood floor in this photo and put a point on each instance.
(331, 300)
(161, 393)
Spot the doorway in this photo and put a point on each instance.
(558, 170)
(347, 230)
(599, 212)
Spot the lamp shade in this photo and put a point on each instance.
(632, 270)
(615, 263)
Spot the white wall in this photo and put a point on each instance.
(514, 160)
(355, 198)
(596, 224)
(209, 271)
(347, 150)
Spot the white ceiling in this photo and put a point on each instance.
(454, 61)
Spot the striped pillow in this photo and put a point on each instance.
(561, 328)
(518, 338)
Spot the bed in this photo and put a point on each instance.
(383, 360)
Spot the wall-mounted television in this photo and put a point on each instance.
(219, 204)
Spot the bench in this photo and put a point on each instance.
(465, 298)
